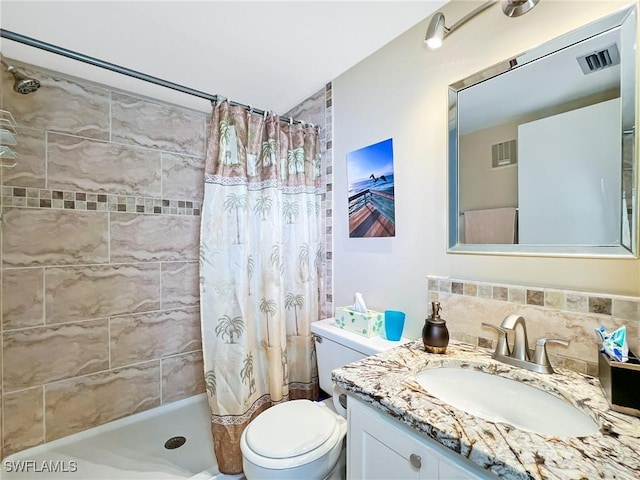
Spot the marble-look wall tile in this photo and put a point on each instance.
(147, 336)
(535, 297)
(180, 285)
(575, 365)
(182, 177)
(444, 286)
(600, 305)
(311, 110)
(576, 302)
(577, 328)
(182, 376)
(33, 237)
(147, 238)
(30, 165)
(77, 293)
(34, 356)
(136, 121)
(22, 297)
(84, 402)
(626, 309)
(75, 163)
(470, 289)
(1, 201)
(485, 291)
(554, 299)
(517, 295)
(500, 293)
(23, 420)
(61, 104)
(466, 314)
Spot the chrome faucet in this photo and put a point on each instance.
(520, 355)
(520, 341)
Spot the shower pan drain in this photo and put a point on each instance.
(174, 442)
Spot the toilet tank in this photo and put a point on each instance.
(336, 348)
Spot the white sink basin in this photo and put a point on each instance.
(502, 400)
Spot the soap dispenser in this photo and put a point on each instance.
(435, 334)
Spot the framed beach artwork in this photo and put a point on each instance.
(372, 210)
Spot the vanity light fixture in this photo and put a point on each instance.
(437, 30)
(515, 8)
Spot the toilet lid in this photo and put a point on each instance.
(290, 429)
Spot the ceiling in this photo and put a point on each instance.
(268, 54)
(541, 86)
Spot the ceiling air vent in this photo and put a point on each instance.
(600, 59)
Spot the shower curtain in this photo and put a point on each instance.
(260, 265)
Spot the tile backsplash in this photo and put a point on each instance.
(552, 313)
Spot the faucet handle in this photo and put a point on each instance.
(540, 355)
(502, 347)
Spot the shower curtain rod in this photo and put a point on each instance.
(96, 62)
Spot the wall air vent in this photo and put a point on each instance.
(601, 59)
(503, 154)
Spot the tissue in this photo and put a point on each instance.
(358, 303)
(614, 344)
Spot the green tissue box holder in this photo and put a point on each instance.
(367, 324)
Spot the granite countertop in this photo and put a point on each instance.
(385, 381)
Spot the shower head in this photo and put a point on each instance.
(22, 83)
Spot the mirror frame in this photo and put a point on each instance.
(626, 19)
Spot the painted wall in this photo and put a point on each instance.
(401, 92)
(481, 185)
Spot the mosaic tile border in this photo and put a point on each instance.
(627, 308)
(328, 201)
(101, 202)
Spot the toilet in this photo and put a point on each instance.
(305, 439)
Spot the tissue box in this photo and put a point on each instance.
(368, 324)
(620, 381)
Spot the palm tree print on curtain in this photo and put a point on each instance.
(259, 276)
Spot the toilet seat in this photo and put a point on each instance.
(291, 434)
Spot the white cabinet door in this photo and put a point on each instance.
(377, 450)
(381, 448)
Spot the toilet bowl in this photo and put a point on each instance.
(301, 439)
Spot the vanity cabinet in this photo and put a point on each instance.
(381, 448)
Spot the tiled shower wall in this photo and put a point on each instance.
(99, 249)
(551, 313)
(100, 230)
(317, 110)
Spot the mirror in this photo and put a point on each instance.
(542, 148)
